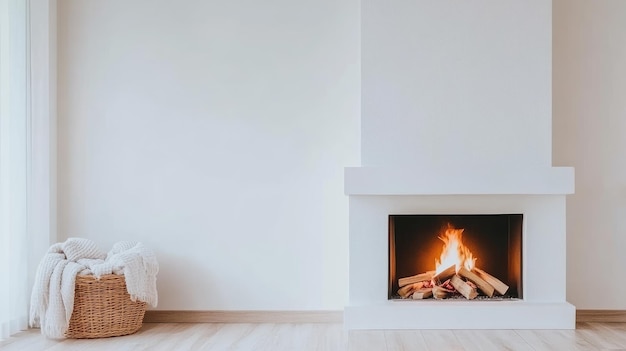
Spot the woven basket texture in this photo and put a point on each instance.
(103, 308)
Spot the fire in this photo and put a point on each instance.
(454, 252)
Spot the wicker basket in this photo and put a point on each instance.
(103, 308)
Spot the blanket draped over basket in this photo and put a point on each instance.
(52, 299)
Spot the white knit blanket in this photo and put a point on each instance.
(52, 299)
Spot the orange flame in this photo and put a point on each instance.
(454, 252)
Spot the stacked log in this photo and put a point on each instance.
(449, 282)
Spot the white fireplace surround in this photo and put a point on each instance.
(375, 193)
(456, 116)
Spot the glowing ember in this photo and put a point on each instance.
(454, 252)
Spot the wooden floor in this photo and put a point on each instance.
(275, 337)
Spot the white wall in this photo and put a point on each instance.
(456, 84)
(589, 127)
(216, 132)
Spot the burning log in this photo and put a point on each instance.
(446, 285)
(408, 290)
(405, 291)
(485, 287)
(463, 288)
(498, 285)
(447, 273)
(439, 288)
(415, 278)
(423, 293)
(441, 293)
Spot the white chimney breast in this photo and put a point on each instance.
(456, 83)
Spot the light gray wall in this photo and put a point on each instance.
(589, 134)
(216, 132)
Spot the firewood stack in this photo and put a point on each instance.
(449, 283)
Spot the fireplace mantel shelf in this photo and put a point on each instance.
(412, 181)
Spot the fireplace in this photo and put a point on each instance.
(541, 301)
(485, 250)
(456, 122)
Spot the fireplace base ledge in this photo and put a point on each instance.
(461, 315)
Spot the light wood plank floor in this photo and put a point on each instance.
(276, 337)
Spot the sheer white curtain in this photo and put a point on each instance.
(14, 151)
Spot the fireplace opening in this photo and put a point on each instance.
(469, 257)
